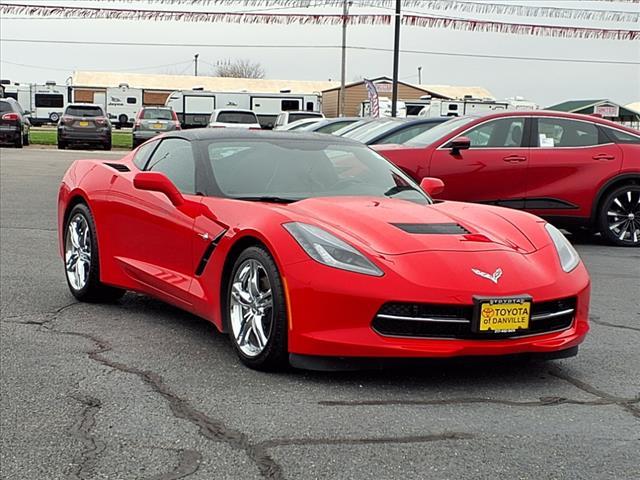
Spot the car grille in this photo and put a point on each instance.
(422, 320)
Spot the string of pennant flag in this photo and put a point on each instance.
(413, 20)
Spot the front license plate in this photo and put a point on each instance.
(84, 124)
(502, 315)
(157, 125)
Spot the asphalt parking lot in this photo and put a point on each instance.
(141, 390)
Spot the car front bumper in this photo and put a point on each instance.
(331, 311)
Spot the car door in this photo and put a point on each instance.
(492, 170)
(570, 160)
(152, 238)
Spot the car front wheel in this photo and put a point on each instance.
(619, 216)
(81, 258)
(256, 311)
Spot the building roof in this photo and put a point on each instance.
(454, 92)
(187, 82)
(635, 106)
(575, 105)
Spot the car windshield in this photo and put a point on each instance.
(296, 169)
(370, 131)
(237, 117)
(352, 126)
(84, 111)
(439, 131)
(299, 116)
(157, 114)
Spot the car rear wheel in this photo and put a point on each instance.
(619, 216)
(107, 146)
(256, 311)
(62, 145)
(18, 141)
(25, 140)
(81, 259)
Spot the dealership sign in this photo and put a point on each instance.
(607, 110)
(384, 87)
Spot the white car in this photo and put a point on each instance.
(291, 116)
(234, 118)
(298, 124)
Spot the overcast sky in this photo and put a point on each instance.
(545, 82)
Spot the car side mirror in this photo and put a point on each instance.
(158, 182)
(433, 186)
(460, 143)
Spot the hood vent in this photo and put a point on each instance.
(432, 228)
(118, 166)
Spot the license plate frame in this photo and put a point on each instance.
(488, 324)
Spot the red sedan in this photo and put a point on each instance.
(577, 171)
(312, 249)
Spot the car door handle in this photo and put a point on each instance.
(515, 158)
(603, 156)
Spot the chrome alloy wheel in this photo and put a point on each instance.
(77, 247)
(251, 308)
(623, 216)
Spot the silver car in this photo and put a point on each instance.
(152, 121)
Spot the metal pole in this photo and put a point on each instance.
(195, 65)
(343, 73)
(419, 75)
(396, 54)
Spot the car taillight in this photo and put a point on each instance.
(66, 120)
(177, 125)
(101, 121)
(12, 117)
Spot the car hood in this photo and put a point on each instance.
(395, 227)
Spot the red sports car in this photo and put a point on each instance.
(310, 248)
(579, 172)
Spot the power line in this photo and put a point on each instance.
(63, 69)
(318, 47)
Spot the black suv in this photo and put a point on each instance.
(14, 123)
(84, 123)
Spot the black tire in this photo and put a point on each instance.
(18, 141)
(625, 201)
(25, 140)
(274, 356)
(93, 290)
(62, 145)
(107, 146)
(122, 120)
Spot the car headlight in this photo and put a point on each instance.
(329, 250)
(569, 258)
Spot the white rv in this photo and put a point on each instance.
(457, 108)
(194, 107)
(121, 103)
(48, 101)
(20, 93)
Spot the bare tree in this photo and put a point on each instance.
(240, 68)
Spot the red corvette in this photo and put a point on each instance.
(577, 171)
(310, 248)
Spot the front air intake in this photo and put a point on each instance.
(432, 228)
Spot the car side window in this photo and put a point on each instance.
(562, 132)
(500, 133)
(143, 153)
(174, 157)
(406, 134)
(622, 137)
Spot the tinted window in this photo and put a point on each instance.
(84, 111)
(13, 95)
(286, 105)
(49, 100)
(237, 117)
(298, 169)
(407, 134)
(332, 127)
(299, 116)
(5, 107)
(439, 131)
(157, 114)
(267, 121)
(505, 132)
(622, 137)
(560, 132)
(143, 153)
(174, 158)
(372, 130)
(132, 100)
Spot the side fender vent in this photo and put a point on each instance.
(121, 167)
(432, 228)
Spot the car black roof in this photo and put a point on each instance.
(267, 135)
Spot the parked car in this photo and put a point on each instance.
(400, 133)
(314, 251)
(299, 124)
(330, 125)
(352, 126)
(14, 123)
(84, 123)
(579, 172)
(152, 121)
(292, 115)
(234, 117)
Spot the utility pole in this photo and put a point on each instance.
(396, 54)
(343, 73)
(195, 64)
(419, 75)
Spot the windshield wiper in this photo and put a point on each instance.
(267, 198)
(397, 189)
